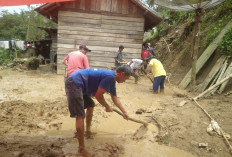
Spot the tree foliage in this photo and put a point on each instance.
(23, 25)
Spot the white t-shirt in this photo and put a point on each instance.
(136, 63)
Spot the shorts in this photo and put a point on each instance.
(77, 102)
(158, 81)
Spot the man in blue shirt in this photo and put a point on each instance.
(92, 82)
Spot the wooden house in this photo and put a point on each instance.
(102, 25)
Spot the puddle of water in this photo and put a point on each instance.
(114, 129)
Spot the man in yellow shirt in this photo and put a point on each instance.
(158, 73)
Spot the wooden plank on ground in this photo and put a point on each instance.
(212, 73)
(205, 56)
(227, 73)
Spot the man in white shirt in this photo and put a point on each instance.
(136, 64)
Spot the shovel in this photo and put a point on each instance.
(141, 131)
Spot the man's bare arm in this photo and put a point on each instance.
(100, 98)
(117, 102)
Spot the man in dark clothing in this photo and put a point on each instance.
(150, 49)
(118, 57)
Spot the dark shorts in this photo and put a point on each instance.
(77, 102)
(158, 81)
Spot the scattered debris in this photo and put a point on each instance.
(182, 103)
(32, 63)
(140, 111)
(213, 126)
(202, 145)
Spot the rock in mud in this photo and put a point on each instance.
(18, 154)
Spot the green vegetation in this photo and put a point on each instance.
(226, 44)
(23, 25)
(214, 20)
(7, 56)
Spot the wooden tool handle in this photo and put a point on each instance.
(131, 119)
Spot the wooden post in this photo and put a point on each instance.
(195, 47)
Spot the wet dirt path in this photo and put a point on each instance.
(34, 103)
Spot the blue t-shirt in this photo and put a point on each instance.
(91, 79)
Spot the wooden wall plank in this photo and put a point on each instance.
(63, 52)
(99, 30)
(99, 16)
(99, 38)
(69, 48)
(79, 20)
(80, 15)
(119, 6)
(114, 6)
(87, 5)
(70, 4)
(98, 5)
(135, 19)
(87, 25)
(108, 5)
(120, 23)
(77, 4)
(100, 43)
(93, 5)
(121, 27)
(82, 4)
(125, 7)
(102, 36)
(103, 5)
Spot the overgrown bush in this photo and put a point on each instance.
(6, 56)
(225, 46)
(214, 20)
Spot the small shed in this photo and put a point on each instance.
(102, 25)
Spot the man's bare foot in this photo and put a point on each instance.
(84, 152)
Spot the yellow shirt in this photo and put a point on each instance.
(157, 68)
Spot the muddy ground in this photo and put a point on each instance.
(35, 121)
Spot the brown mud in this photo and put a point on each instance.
(35, 121)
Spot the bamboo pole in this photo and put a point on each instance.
(212, 87)
(211, 118)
